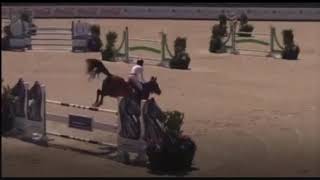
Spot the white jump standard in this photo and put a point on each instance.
(81, 106)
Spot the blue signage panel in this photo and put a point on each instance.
(80, 122)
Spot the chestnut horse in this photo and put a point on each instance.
(115, 86)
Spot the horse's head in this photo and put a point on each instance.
(154, 86)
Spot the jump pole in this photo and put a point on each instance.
(81, 106)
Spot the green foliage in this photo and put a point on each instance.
(290, 51)
(111, 38)
(7, 113)
(244, 26)
(110, 52)
(216, 45)
(6, 93)
(288, 37)
(173, 122)
(95, 30)
(180, 44)
(181, 59)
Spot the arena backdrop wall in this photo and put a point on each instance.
(165, 12)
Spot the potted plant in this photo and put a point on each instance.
(245, 28)
(109, 53)
(290, 51)
(216, 44)
(7, 110)
(181, 59)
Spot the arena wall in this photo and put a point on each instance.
(164, 12)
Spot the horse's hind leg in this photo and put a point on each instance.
(101, 99)
(97, 99)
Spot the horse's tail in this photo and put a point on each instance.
(95, 67)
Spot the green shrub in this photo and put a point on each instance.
(288, 37)
(95, 30)
(216, 45)
(290, 51)
(180, 44)
(181, 59)
(174, 121)
(110, 52)
(7, 110)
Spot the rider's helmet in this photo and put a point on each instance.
(140, 62)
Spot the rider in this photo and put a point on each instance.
(136, 76)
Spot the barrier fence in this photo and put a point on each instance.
(162, 49)
(76, 40)
(236, 39)
(32, 117)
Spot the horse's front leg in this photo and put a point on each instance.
(97, 98)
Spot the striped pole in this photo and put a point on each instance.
(81, 106)
(82, 139)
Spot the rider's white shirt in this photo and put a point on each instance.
(137, 73)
